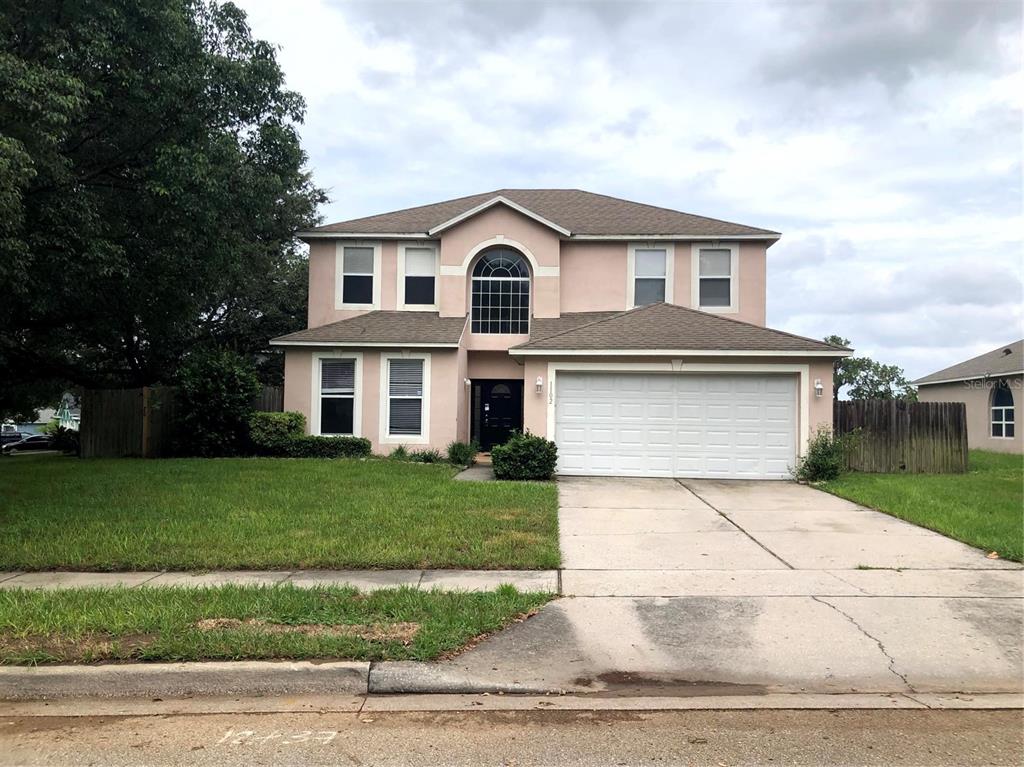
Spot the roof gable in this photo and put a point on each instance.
(572, 212)
(499, 200)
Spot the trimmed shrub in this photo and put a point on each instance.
(426, 456)
(216, 390)
(525, 456)
(462, 453)
(825, 457)
(399, 454)
(67, 441)
(328, 447)
(271, 433)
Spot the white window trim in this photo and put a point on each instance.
(683, 366)
(357, 397)
(434, 307)
(339, 273)
(992, 408)
(423, 438)
(734, 276)
(670, 260)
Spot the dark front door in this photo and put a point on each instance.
(497, 411)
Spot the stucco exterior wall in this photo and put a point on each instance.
(494, 226)
(446, 405)
(977, 396)
(753, 282)
(593, 276)
(485, 364)
(323, 281)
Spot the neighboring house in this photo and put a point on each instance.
(991, 386)
(631, 335)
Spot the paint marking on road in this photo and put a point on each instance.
(235, 737)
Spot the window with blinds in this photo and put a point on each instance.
(405, 397)
(337, 395)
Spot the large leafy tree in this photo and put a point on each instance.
(867, 379)
(151, 184)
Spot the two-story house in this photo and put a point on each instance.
(631, 335)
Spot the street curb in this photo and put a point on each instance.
(397, 686)
(414, 678)
(180, 680)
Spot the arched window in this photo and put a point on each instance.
(1002, 411)
(501, 293)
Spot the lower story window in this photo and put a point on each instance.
(405, 397)
(1002, 412)
(337, 395)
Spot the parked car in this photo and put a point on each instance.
(35, 442)
(8, 437)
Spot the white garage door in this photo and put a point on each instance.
(676, 425)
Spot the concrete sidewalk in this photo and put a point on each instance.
(364, 580)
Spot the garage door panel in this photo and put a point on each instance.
(686, 425)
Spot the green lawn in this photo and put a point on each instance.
(265, 513)
(248, 622)
(984, 507)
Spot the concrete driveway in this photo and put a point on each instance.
(719, 588)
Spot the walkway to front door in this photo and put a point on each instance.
(497, 411)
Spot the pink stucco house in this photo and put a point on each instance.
(631, 335)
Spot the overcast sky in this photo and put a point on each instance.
(883, 139)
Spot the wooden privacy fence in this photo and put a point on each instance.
(123, 423)
(898, 436)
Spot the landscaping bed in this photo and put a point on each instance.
(265, 514)
(249, 622)
(983, 507)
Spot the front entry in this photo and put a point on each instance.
(497, 411)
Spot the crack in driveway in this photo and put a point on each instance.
(876, 640)
(726, 517)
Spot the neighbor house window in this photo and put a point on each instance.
(419, 277)
(1002, 411)
(715, 289)
(501, 293)
(405, 397)
(337, 395)
(357, 275)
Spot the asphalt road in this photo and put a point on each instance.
(520, 738)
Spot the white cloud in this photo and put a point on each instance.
(882, 139)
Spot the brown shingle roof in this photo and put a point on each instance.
(1008, 358)
(382, 328)
(671, 327)
(542, 327)
(582, 213)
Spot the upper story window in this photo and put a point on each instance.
(714, 277)
(650, 274)
(359, 274)
(501, 293)
(1002, 411)
(420, 266)
(417, 276)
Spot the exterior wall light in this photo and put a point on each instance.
(540, 384)
(819, 389)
